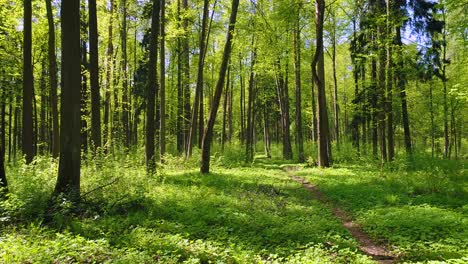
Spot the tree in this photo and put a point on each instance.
(208, 134)
(53, 81)
(3, 179)
(318, 72)
(68, 181)
(124, 64)
(152, 88)
(199, 85)
(162, 132)
(109, 64)
(297, 79)
(94, 76)
(28, 86)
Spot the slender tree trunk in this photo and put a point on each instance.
(297, 78)
(42, 130)
(186, 71)
(314, 107)
(242, 102)
(10, 126)
(431, 111)
(401, 83)
(180, 89)
(444, 81)
(225, 107)
(382, 100)
(230, 103)
(84, 96)
(162, 133)
(68, 180)
(53, 81)
(335, 86)
(389, 85)
(198, 101)
(283, 101)
(266, 131)
(324, 152)
(249, 144)
(152, 88)
(109, 64)
(3, 179)
(208, 135)
(16, 129)
(125, 101)
(28, 86)
(94, 76)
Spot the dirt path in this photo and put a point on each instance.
(367, 245)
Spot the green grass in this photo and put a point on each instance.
(419, 207)
(237, 215)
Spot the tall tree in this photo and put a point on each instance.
(109, 67)
(208, 135)
(162, 132)
(3, 179)
(297, 79)
(28, 86)
(94, 76)
(53, 81)
(335, 82)
(68, 180)
(124, 65)
(318, 72)
(186, 69)
(199, 85)
(152, 88)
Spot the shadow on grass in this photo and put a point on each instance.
(250, 209)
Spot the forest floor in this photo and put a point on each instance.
(256, 214)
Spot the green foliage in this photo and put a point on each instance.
(238, 215)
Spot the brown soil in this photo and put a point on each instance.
(367, 245)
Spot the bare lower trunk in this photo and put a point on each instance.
(324, 151)
(208, 135)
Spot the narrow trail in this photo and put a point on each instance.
(366, 244)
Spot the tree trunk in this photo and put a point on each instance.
(297, 75)
(53, 81)
(324, 152)
(94, 76)
(335, 86)
(162, 132)
(249, 144)
(125, 101)
(389, 86)
(152, 88)
(314, 107)
(382, 100)
(84, 97)
(186, 71)
(180, 90)
(68, 180)
(444, 81)
(242, 103)
(283, 101)
(225, 108)
(42, 130)
(401, 83)
(109, 67)
(197, 103)
(28, 86)
(3, 179)
(208, 135)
